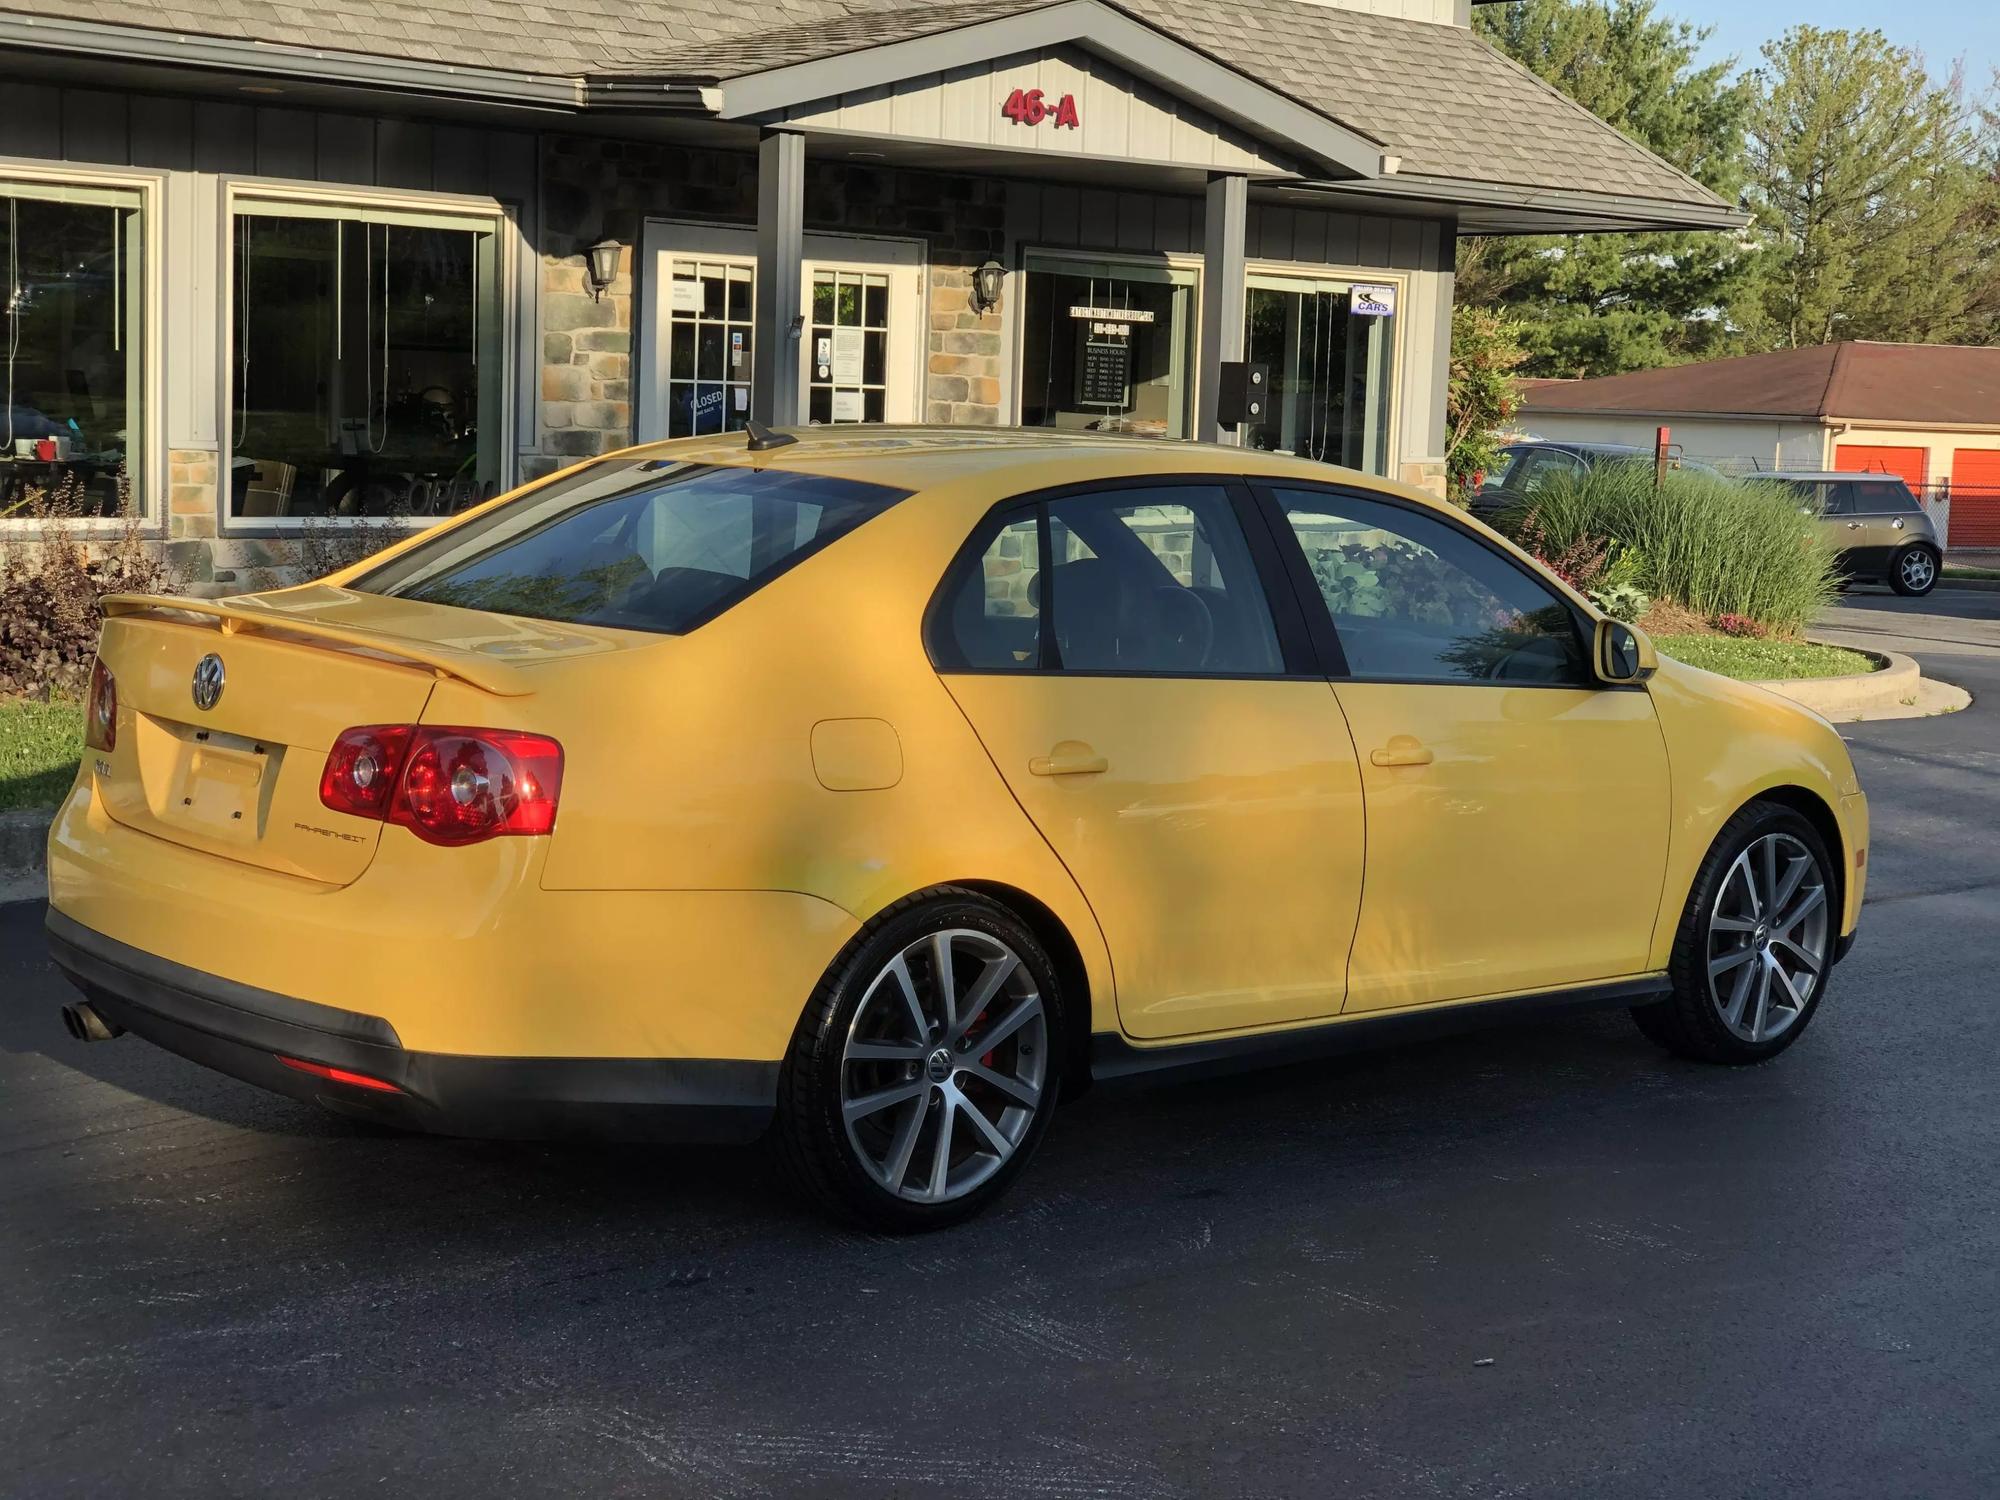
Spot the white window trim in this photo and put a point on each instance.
(150, 486)
(1300, 270)
(238, 191)
(736, 244)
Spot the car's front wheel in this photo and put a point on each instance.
(925, 1069)
(1751, 958)
(1914, 572)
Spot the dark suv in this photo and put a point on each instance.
(1527, 467)
(1882, 532)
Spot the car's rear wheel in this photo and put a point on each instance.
(1755, 945)
(924, 1072)
(1914, 572)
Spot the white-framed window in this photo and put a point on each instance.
(77, 409)
(368, 368)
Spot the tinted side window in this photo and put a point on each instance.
(1414, 599)
(993, 616)
(1152, 581)
(1884, 497)
(1533, 470)
(1157, 580)
(1836, 499)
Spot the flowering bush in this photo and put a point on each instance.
(1741, 626)
(51, 587)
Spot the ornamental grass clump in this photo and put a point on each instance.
(1715, 545)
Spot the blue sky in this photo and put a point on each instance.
(1941, 29)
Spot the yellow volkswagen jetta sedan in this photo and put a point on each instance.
(877, 789)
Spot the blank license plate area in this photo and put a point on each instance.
(220, 785)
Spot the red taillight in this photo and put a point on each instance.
(361, 769)
(100, 714)
(447, 785)
(339, 1075)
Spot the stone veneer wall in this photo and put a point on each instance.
(593, 189)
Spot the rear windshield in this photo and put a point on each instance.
(645, 545)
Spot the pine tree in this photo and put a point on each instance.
(1601, 304)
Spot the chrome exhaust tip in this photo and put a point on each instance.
(84, 1023)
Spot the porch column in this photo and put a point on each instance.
(1222, 286)
(781, 199)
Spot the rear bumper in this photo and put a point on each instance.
(243, 1031)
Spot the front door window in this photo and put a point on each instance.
(848, 378)
(709, 346)
(1106, 346)
(1328, 345)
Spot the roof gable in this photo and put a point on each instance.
(1477, 137)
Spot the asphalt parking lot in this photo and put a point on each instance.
(1544, 1261)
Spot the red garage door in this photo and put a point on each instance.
(1912, 465)
(1975, 498)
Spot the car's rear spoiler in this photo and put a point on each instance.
(231, 618)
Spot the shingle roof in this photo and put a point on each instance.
(1951, 385)
(1446, 102)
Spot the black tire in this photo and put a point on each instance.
(1691, 1022)
(1903, 564)
(812, 1138)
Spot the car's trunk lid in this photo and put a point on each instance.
(239, 777)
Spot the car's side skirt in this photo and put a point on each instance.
(1112, 1056)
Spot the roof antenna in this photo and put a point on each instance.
(762, 437)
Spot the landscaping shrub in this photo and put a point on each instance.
(51, 585)
(1715, 545)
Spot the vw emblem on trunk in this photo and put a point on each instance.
(208, 679)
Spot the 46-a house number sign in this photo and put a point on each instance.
(1029, 107)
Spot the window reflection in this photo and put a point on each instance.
(71, 336)
(366, 377)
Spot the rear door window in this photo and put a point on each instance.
(1145, 580)
(636, 544)
(1883, 497)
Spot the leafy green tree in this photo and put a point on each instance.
(1602, 304)
(1868, 178)
(1480, 394)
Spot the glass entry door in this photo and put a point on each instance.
(862, 340)
(847, 365)
(1330, 369)
(1106, 345)
(709, 343)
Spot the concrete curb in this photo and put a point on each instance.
(1987, 584)
(1896, 691)
(24, 849)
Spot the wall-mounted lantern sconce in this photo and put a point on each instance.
(601, 260)
(986, 284)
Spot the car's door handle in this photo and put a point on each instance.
(1853, 525)
(1069, 758)
(1403, 750)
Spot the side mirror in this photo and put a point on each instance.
(1623, 653)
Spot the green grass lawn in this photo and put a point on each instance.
(1761, 660)
(39, 747)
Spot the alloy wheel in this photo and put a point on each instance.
(1918, 569)
(1767, 938)
(943, 1070)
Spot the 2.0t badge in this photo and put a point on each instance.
(208, 680)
